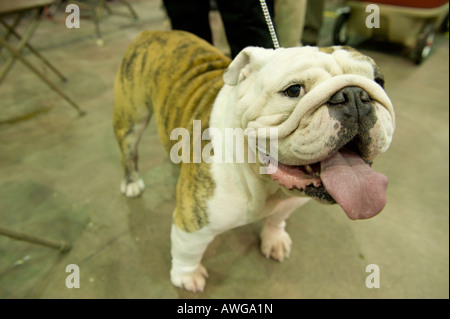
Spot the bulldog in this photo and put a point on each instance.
(327, 105)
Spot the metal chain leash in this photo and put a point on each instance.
(269, 23)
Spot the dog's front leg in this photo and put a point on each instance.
(275, 241)
(187, 251)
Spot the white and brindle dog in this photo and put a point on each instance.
(328, 106)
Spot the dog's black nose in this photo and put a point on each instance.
(348, 96)
(354, 109)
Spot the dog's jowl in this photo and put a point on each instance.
(327, 106)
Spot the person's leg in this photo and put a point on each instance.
(289, 21)
(313, 22)
(245, 24)
(191, 16)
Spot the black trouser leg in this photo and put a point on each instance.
(191, 16)
(245, 24)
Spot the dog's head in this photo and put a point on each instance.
(332, 115)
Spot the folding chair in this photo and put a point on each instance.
(16, 10)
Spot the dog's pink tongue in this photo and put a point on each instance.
(354, 185)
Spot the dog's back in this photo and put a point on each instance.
(172, 74)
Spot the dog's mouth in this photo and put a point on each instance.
(344, 178)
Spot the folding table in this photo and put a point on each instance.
(12, 12)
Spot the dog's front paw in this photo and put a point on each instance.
(275, 243)
(132, 189)
(193, 281)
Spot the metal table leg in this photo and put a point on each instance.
(17, 54)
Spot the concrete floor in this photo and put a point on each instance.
(60, 175)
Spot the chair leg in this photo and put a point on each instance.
(33, 50)
(130, 8)
(28, 33)
(17, 55)
(13, 26)
(95, 16)
(62, 246)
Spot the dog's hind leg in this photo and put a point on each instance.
(129, 124)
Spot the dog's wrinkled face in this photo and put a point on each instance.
(333, 118)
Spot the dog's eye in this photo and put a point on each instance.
(380, 81)
(294, 90)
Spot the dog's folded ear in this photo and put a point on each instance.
(247, 61)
